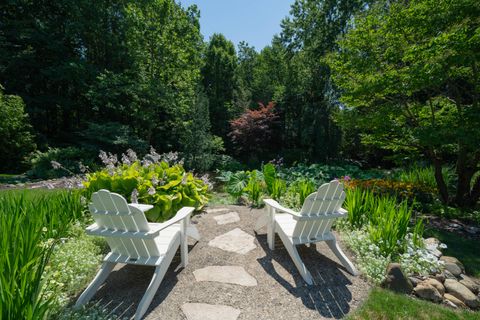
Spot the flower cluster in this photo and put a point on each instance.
(403, 190)
(415, 260)
(369, 258)
(418, 260)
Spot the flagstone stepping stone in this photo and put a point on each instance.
(227, 218)
(204, 311)
(217, 210)
(236, 240)
(225, 274)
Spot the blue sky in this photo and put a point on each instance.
(254, 21)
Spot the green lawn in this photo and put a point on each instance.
(382, 304)
(466, 250)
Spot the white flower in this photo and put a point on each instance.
(55, 165)
(151, 191)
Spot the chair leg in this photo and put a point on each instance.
(155, 282)
(293, 252)
(184, 244)
(151, 290)
(341, 256)
(101, 276)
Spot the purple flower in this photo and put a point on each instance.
(347, 178)
(151, 191)
(134, 196)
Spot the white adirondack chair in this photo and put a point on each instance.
(133, 240)
(312, 224)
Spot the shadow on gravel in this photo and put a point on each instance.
(125, 287)
(329, 295)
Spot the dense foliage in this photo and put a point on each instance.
(31, 225)
(15, 132)
(151, 181)
(409, 78)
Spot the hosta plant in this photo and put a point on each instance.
(151, 181)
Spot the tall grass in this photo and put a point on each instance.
(27, 222)
(425, 176)
(385, 219)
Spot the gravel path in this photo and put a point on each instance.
(280, 292)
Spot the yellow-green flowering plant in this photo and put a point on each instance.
(153, 180)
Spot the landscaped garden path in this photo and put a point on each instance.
(233, 275)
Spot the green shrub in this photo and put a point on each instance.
(28, 220)
(227, 163)
(235, 183)
(70, 159)
(73, 264)
(16, 139)
(386, 220)
(254, 187)
(168, 188)
(359, 204)
(319, 173)
(424, 176)
(276, 187)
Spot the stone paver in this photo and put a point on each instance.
(204, 311)
(237, 241)
(217, 210)
(225, 274)
(226, 218)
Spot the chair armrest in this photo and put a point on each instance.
(181, 214)
(274, 204)
(141, 207)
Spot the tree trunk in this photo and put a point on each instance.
(475, 193)
(442, 186)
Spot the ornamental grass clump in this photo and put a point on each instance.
(379, 230)
(159, 180)
(31, 224)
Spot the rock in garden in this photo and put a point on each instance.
(396, 279)
(431, 242)
(427, 292)
(452, 299)
(448, 259)
(449, 303)
(472, 230)
(415, 281)
(236, 240)
(440, 277)
(448, 275)
(469, 283)
(437, 284)
(225, 274)
(226, 218)
(461, 292)
(453, 269)
(203, 311)
(217, 210)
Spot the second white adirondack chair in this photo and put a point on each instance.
(133, 240)
(312, 224)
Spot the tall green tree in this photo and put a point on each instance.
(219, 82)
(310, 99)
(126, 64)
(200, 146)
(410, 77)
(16, 139)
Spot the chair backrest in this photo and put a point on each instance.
(322, 204)
(112, 213)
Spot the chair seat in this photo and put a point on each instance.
(286, 223)
(167, 239)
